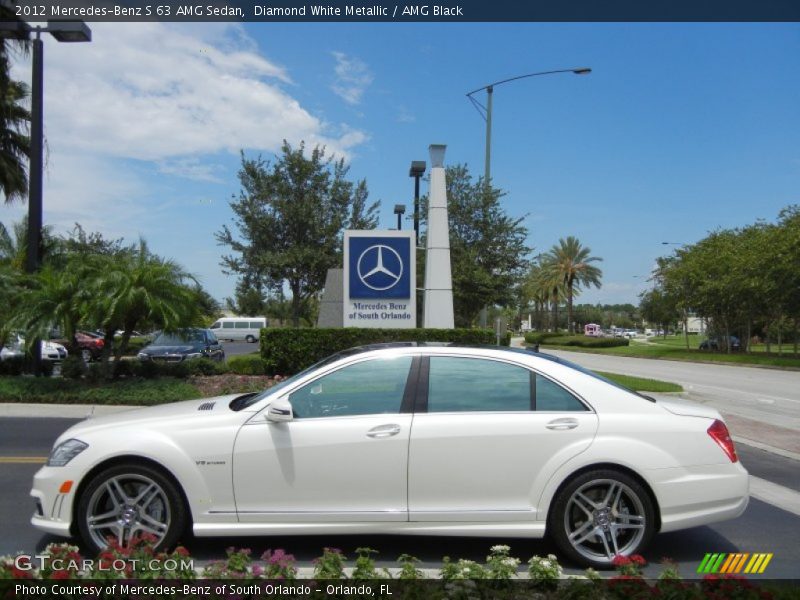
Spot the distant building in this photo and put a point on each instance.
(694, 325)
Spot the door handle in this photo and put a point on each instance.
(383, 431)
(562, 424)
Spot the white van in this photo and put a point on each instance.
(239, 328)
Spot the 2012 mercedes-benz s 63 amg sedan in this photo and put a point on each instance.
(402, 439)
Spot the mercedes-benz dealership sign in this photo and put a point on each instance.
(379, 279)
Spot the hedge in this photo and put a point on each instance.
(287, 351)
(581, 341)
(538, 337)
(247, 364)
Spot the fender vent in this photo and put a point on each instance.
(206, 406)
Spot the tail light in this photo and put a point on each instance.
(719, 433)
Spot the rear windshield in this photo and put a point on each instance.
(585, 371)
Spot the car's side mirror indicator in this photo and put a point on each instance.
(280, 411)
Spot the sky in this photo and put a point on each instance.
(680, 129)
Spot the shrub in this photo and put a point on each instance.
(12, 366)
(287, 351)
(248, 364)
(537, 337)
(73, 367)
(582, 341)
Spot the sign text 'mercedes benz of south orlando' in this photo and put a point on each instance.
(379, 279)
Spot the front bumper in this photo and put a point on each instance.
(54, 508)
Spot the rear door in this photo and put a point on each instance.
(487, 434)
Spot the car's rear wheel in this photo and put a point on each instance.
(128, 501)
(599, 515)
(86, 355)
(250, 339)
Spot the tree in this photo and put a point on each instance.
(14, 120)
(488, 254)
(136, 289)
(571, 262)
(290, 217)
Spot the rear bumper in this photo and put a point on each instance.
(692, 496)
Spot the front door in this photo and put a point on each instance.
(343, 456)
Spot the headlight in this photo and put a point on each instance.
(143, 356)
(65, 452)
(195, 355)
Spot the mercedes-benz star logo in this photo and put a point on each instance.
(380, 267)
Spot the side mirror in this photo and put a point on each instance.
(280, 411)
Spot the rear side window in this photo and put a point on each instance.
(481, 385)
(242, 325)
(256, 324)
(552, 397)
(474, 384)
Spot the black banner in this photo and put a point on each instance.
(453, 11)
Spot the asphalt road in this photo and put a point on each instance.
(763, 527)
(768, 395)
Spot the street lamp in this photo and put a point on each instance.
(416, 171)
(63, 31)
(486, 111)
(399, 210)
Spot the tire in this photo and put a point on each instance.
(250, 339)
(86, 355)
(143, 501)
(600, 514)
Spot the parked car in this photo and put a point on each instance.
(630, 333)
(504, 442)
(15, 348)
(719, 344)
(183, 344)
(239, 328)
(91, 345)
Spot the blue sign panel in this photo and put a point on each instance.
(380, 267)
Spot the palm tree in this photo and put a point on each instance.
(570, 262)
(544, 288)
(14, 120)
(14, 244)
(136, 288)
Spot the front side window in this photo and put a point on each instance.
(227, 325)
(369, 387)
(474, 384)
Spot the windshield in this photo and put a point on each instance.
(179, 338)
(244, 401)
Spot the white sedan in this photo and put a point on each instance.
(402, 439)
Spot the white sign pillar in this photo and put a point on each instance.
(438, 306)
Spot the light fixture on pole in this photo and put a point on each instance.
(399, 210)
(63, 31)
(416, 171)
(486, 111)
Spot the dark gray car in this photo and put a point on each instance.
(183, 344)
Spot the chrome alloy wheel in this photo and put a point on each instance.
(125, 506)
(604, 518)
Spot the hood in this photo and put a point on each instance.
(687, 408)
(161, 350)
(161, 414)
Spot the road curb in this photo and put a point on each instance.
(766, 447)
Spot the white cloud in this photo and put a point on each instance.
(353, 77)
(192, 168)
(153, 91)
(405, 116)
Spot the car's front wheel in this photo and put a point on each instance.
(131, 501)
(599, 515)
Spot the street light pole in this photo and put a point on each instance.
(486, 111)
(486, 114)
(35, 169)
(63, 31)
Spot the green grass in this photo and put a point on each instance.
(141, 392)
(675, 349)
(641, 384)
